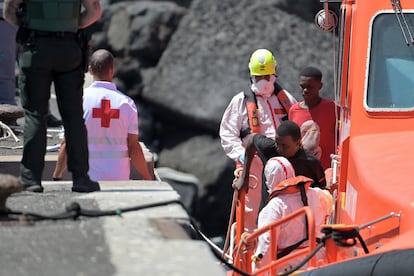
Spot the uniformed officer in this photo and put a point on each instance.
(51, 52)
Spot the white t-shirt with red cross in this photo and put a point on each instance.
(109, 116)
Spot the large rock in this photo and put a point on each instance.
(9, 184)
(136, 33)
(10, 113)
(202, 156)
(205, 64)
(139, 30)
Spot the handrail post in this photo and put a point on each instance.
(272, 227)
(240, 210)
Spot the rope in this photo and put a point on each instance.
(8, 132)
(348, 238)
(231, 218)
(237, 173)
(239, 246)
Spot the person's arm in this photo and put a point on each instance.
(249, 153)
(61, 162)
(264, 147)
(320, 174)
(137, 156)
(270, 213)
(10, 8)
(230, 126)
(91, 13)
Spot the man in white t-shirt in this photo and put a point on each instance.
(111, 119)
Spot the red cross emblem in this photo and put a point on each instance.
(105, 113)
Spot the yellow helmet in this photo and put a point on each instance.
(262, 62)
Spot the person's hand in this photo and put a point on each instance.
(238, 181)
(256, 261)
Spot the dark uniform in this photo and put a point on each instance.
(51, 52)
(303, 162)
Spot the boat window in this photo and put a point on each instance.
(391, 68)
(340, 56)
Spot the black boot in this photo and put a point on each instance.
(31, 186)
(84, 184)
(52, 121)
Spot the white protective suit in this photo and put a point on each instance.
(233, 121)
(320, 202)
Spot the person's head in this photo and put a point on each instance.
(288, 138)
(262, 67)
(276, 170)
(101, 65)
(310, 81)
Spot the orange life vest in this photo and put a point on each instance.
(291, 185)
(252, 110)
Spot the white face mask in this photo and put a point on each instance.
(263, 87)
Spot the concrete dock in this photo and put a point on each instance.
(151, 240)
(148, 241)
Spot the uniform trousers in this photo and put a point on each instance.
(45, 59)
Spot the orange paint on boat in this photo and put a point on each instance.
(374, 167)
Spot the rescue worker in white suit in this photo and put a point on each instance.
(283, 202)
(260, 108)
(112, 122)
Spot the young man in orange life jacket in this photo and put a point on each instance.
(258, 109)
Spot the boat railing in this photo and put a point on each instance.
(244, 252)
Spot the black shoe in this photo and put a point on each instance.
(85, 185)
(33, 188)
(52, 121)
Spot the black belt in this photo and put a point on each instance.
(37, 33)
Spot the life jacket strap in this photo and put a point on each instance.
(252, 111)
